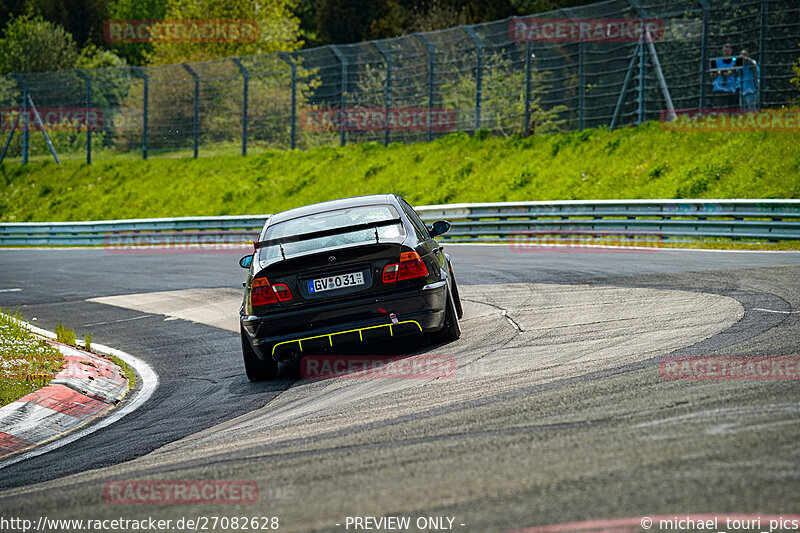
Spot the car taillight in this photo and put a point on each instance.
(282, 292)
(262, 293)
(410, 266)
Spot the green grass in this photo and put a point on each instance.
(126, 369)
(642, 162)
(65, 335)
(26, 363)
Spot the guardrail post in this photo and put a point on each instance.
(387, 92)
(762, 49)
(245, 83)
(293, 118)
(88, 81)
(431, 72)
(704, 52)
(342, 111)
(478, 74)
(139, 73)
(526, 127)
(196, 110)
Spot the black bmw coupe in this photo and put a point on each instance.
(354, 270)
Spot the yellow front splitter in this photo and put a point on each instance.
(359, 330)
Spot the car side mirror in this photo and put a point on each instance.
(246, 261)
(440, 227)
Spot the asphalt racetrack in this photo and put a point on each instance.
(557, 411)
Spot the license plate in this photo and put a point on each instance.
(335, 282)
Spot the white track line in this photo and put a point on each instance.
(774, 311)
(10, 290)
(149, 381)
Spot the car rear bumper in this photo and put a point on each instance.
(287, 333)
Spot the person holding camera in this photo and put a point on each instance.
(726, 79)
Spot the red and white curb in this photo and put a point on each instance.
(87, 388)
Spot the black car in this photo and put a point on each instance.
(346, 271)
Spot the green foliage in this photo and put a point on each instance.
(642, 162)
(278, 30)
(65, 335)
(26, 363)
(31, 44)
(87, 342)
(135, 53)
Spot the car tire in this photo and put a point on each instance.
(255, 368)
(456, 297)
(451, 330)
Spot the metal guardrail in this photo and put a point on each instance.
(653, 220)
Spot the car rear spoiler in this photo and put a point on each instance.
(325, 233)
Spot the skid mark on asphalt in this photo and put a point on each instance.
(574, 331)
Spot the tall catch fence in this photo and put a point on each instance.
(514, 77)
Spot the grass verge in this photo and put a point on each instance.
(640, 162)
(26, 363)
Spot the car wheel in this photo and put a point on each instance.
(255, 368)
(452, 327)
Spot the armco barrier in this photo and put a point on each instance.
(771, 220)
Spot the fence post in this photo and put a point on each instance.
(762, 49)
(478, 74)
(245, 83)
(642, 84)
(139, 73)
(387, 93)
(527, 118)
(581, 85)
(581, 75)
(431, 66)
(196, 110)
(342, 113)
(293, 118)
(88, 80)
(704, 52)
(25, 121)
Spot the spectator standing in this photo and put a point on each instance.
(726, 80)
(749, 81)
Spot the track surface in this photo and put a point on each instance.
(567, 419)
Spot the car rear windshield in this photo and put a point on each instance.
(328, 220)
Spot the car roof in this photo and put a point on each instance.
(343, 203)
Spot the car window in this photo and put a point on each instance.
(422, 230)
(332, 220)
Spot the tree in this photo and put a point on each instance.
(32, 44)
(81, 18)
(345, 21)
(278, 29)
(135, 53)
